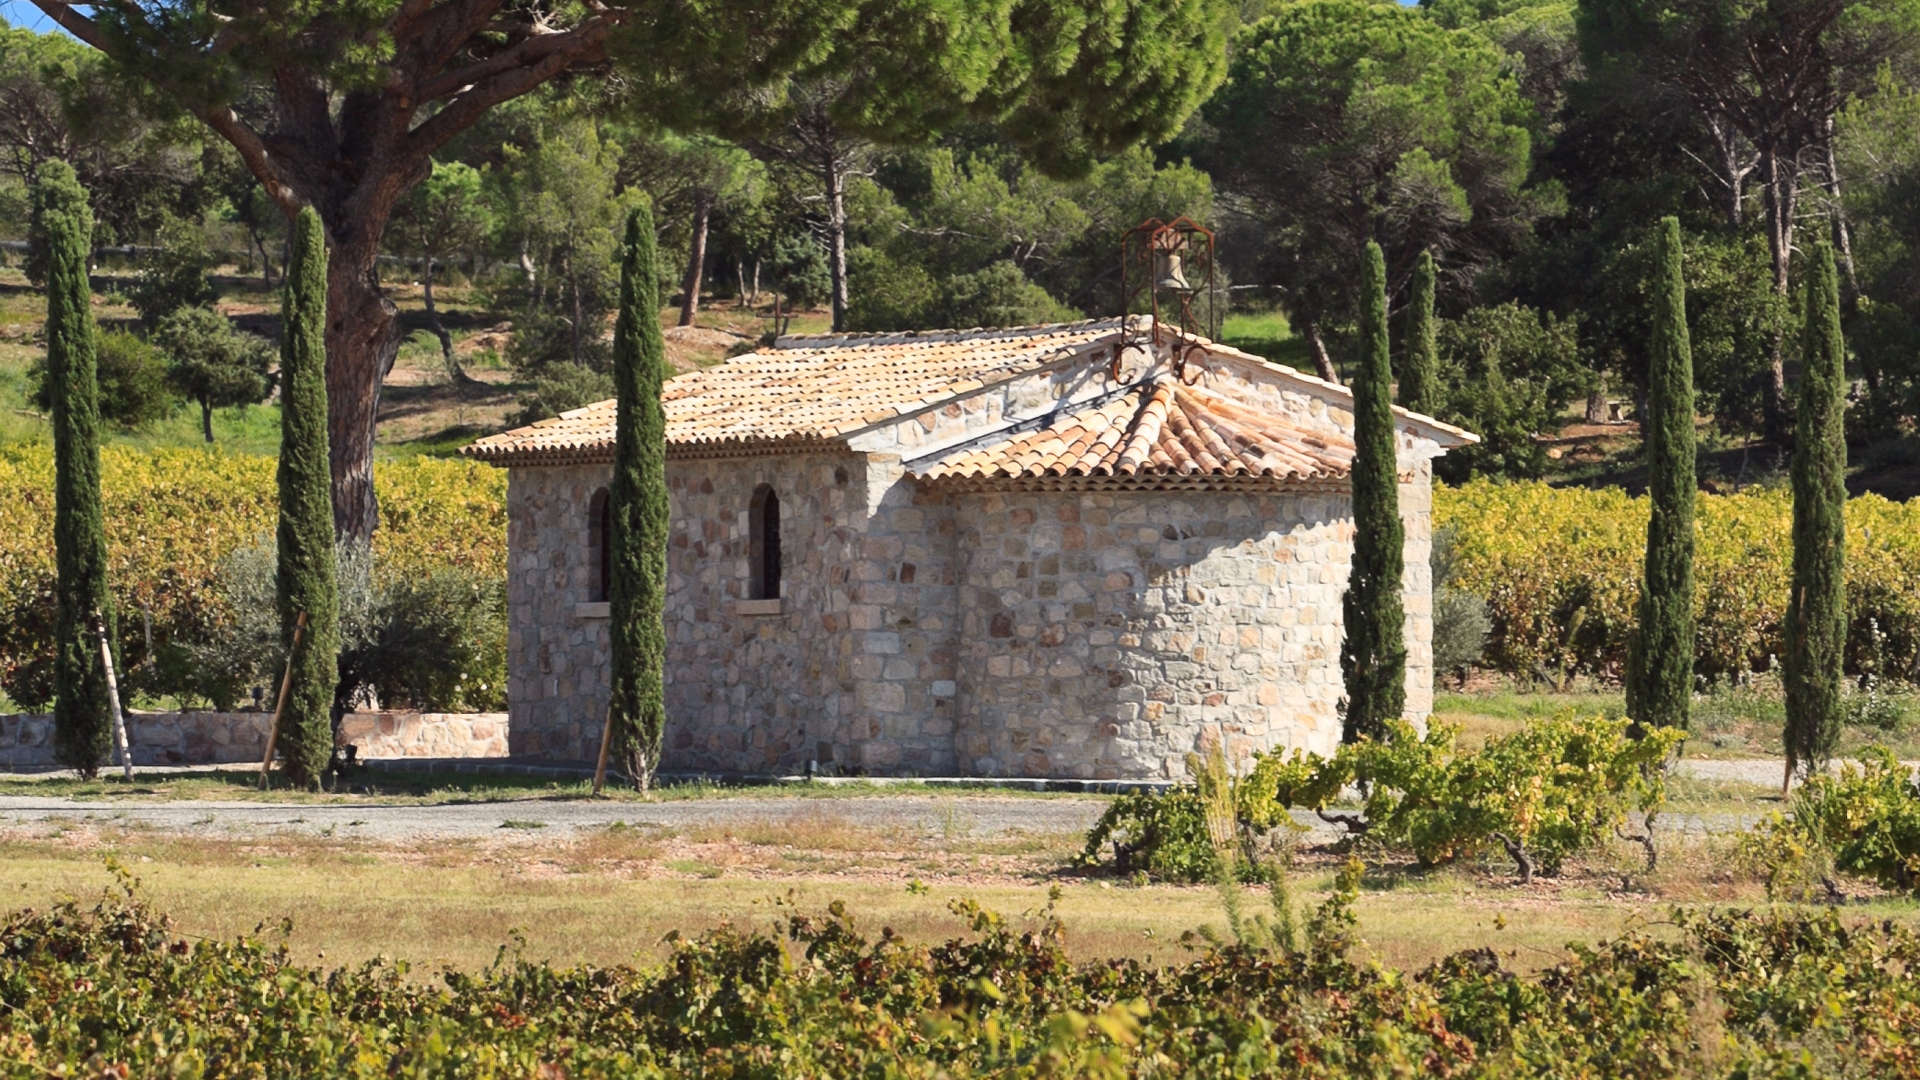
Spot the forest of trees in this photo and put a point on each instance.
(1530, 147)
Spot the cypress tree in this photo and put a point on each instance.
(1817, 606)
(305, 580)
(1660, 661)
(637, 510)
(1419, 385)
(82, 724)
(1373, 656)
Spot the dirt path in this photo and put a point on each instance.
(974, 815)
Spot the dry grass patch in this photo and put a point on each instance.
(610, 895)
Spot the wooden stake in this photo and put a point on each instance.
(113, 696)
(286, 684)
(606, 744)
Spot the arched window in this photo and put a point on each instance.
(600, 548)
(763, 523)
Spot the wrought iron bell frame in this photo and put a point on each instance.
(1157, 257)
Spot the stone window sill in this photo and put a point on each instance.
(757, 607)
(601, 610)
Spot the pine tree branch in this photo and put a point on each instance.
(471, 99)
(254, 153)
(537, 49)
(62, 12)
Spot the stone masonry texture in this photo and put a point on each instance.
(217, 738)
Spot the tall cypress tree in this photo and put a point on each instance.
(637, 510)
(1419, 381)
(1817, 606)
(82, 725)
(305, 580)
(1373, 657)
(1660, 661)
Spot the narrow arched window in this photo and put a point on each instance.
(763, 523)
(600, 548)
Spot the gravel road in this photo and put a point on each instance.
(971, 813)
(975, 815)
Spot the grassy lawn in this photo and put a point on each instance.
(1266, 334)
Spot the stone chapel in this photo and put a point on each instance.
(1070, 551)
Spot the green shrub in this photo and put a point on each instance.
(134, 389)
(798, 269)
(1461, 623)
(1512, 372)
(173, 275)
(439, 643)
(435, 641)
(1863, 821)
(562, 387)
(1553, 789)
(1161, 834)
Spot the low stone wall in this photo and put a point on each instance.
(216, 738)
(425, 735)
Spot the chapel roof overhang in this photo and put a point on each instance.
(816, 392)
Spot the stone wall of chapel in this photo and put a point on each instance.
(556, 658)
(1107, 635)
(1044, 634)
(751, 693)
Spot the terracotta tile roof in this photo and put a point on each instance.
(815, 390)
(807, 389)
(1158, 429)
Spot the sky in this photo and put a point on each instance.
(21, 13)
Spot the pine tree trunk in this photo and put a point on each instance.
(638, 512)
(1418, 389)
(266, 261)
(696, 259)
(836, 179)
(1660, 661)
(1817, 605)
(305, 581)
(439, 328)
(206, 419)
(362, 338)
(1317, 348)
(1782, 190)
(82, 725)
(1373, 656)
(579, 310)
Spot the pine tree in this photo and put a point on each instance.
(82, 724)
(1660, 661)
(305, 581)
(1817, 606)
(1373, 658)
(637, 510)
(1419, 387)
